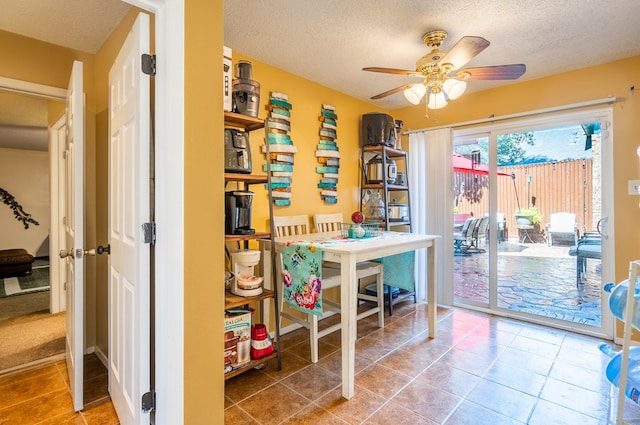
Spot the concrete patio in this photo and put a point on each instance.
(533, 278)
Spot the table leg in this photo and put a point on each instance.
(348, 301)
(431, 289)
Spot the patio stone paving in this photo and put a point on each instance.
(535, 279)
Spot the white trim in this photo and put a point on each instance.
(169, 208)
(571, 106)
(57, 301)
(40, 90)
(169, 166)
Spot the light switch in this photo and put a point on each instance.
(634, 187)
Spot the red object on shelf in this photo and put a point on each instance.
(261, 345)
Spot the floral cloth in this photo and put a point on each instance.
(302, 277)
(302, 271)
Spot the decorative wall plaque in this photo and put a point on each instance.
(328, 155)
(281, 148)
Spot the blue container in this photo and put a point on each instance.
(632, 391)
(618, 301)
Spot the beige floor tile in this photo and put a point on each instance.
(355, 410)
(312, 382)
(266, 411)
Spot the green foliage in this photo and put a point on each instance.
(536, 217)
(510, 148)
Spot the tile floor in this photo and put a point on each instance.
(42, 396)
(479, 370)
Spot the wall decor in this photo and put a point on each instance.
(18, 212)
(281, 148)
(328, 155)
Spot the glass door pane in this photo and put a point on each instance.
(471, 230)
(548, 204)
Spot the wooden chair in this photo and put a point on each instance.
(298, 225)
(327, 222)
(291, 225)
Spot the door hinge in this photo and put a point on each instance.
(149, 233)
(149, 401)
(149, 64)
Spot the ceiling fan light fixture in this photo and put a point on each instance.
(437, 100)
(414, 93)
(454, 88)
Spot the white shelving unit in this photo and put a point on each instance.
(634, 270)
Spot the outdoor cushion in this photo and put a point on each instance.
(586, 250)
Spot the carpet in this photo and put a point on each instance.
(32, 337)
(37, 281)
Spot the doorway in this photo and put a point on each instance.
(32, 319)
(539, 185)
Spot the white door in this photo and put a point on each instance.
(129, 281)
(74, 231)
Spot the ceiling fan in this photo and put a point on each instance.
(436, 68)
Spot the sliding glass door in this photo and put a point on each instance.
(532, 193)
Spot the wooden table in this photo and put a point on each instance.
(349, 253)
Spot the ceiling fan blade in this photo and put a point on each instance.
(464, 50)
(497, 72)
(392, 71)
(392, 91)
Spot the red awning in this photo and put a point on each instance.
(462, 164)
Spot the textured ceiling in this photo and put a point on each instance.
(79, 24)
(330, 41)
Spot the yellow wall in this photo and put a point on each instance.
(204, 215)
(611, 79)
(307, 98)
(43, 63)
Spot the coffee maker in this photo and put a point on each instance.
(246, 92)
(238, 212)
(245, 283)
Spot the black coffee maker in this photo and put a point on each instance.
(237, 214)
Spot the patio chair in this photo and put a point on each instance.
(459, 220)
(503, 231)
(588, 246)
(462, 240)
(562, 226)
(479, 233)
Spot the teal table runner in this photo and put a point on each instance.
(302, 271)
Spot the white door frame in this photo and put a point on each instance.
(169, 169)
(57, 300)
(169, 208)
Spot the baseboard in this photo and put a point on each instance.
(104, 359)
(34, 364)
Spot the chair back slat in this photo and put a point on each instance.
(327, 222)
(291, 225)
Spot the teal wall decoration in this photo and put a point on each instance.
(281, 148)
(328, 155)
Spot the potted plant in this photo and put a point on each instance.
(528, 216)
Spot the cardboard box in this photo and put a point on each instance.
(226, 79)
(237, 339)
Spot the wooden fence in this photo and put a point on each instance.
(565, 186)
